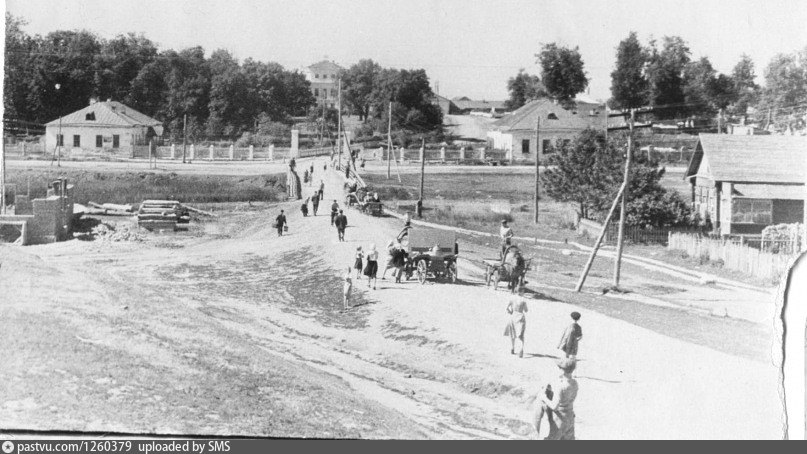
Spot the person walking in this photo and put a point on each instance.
(315, 203)
(304, 208)
(334, 211)
(280, 223)
(371, 269)
(517, 325)
(556, 400)
(346, 288)
(398, 261)
(341, 224)
(322, 190)
(357, 262)
(388, 264)
(571, 337)
(312, 172)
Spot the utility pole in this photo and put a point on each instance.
(3, 178)
(537, 164)
(184, 135)
(720, 121)
(339, 124)
(422, 171)
(389, 141)
(624, 203)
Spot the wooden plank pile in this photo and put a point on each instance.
(159, 214)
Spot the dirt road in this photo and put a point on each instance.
(238, 332)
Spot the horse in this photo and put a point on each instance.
(511, 270)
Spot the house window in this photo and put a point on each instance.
(551, 116)
(333, 92)
(115, 141)
(76, 140)
(99, 141)
(316, 76)
(60, 140)
(316, 92)
(546, 146)
(752, 211)
(90, 116)
(566, 142)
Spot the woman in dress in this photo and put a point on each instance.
(371, 270)
(346, 291)
(517, 325)
(357, 264)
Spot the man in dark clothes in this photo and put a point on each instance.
(341, 225)
(321, 189)
(280, 222)
(334, 209)
(315, 203)
(304, 208)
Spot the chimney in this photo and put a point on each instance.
(93, 100)
(109, 100)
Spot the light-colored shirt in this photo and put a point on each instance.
(372, 255)
(505, 232)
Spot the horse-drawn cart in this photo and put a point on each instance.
(511, 269)
(432, 254)
(371, 208)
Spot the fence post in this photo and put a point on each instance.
(23, 148)
(403, 151)
(232, 152)
(442, 154)
(482, 154)
(173, 151)
(272, 152)
(212, 153)
(252, 152)
(422, 154)
(462, 154)
(191, 152)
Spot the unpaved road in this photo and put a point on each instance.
(238, 332)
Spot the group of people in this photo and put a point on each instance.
(555, 401)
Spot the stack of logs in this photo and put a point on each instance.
(161, 214)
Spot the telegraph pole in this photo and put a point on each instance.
(184, 135)
(389, 142)
(339, 124)
(537, 164)
(422, 171)
(624, 203)
(3, 179)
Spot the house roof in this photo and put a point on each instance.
(107, 113)
(769, 191)
(552, 116)
(325, 65)
(465, 103)
(751, 159)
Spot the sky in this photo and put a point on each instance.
(468, 48)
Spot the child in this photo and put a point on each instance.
(304, 208)
(346, 290)
(357, 264)
(571, 337)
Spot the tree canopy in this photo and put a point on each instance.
(562, 72)
(523, 87)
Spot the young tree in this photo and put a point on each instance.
(523, 87)
(628, 82)
(562, 72)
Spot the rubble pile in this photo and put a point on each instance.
(106, 232)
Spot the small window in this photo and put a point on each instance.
(115, 141)
(99, 141)
(60, 140)
(316, 76)
(552, 116)
(333, 92)
(546, 146)
(76, 140)
(316, 92)
(90, 116)
(525, 146)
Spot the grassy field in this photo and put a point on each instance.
(134, 187)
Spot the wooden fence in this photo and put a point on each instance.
(636, 235)
(735, 256)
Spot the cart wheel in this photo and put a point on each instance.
(452, 272)
(422, 271)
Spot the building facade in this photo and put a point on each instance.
(324, 79)
(743, 184)
(101, 127)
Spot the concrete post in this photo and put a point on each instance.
(482, 154)
(380, 153)
(462, 154)
(422, 154)
(443, 154)
(191, 152)
(23, 148)
(232, 152)
(402, 152)
(212, 153)
(272, 152)
(252, 152)
(295, 143)
(173, 151)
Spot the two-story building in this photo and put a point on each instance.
(324, 78)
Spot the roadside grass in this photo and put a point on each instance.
(134, 187)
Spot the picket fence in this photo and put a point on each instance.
(735, 256)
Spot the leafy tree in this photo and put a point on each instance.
(232, 104)
(358, 83)
(120, 62)
(785, 82)
(628, 82)
(665, 71)
(698, 78)
(562, 72)
(745, 87)
(523, 88)
(588, 172)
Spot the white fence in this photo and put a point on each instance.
(755, 262)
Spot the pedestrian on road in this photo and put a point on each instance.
(348, 285)
(280, 223)
(304, 208)
(371, 269)
(334, 211)
(556, 400)
(388, 264)
(321, 189)
(517, 325)
(357, 262)
(398, 261)
(305, 176)
(341, 224)
(315, 203)
(506, 234)
(571, 337)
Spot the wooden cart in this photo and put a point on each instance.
(423, 262)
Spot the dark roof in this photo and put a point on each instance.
(465, 103)
(553, 116)
(325, 65)
(750, 159)
(107, 113)
(769, 191)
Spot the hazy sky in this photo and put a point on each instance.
(469, 47)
